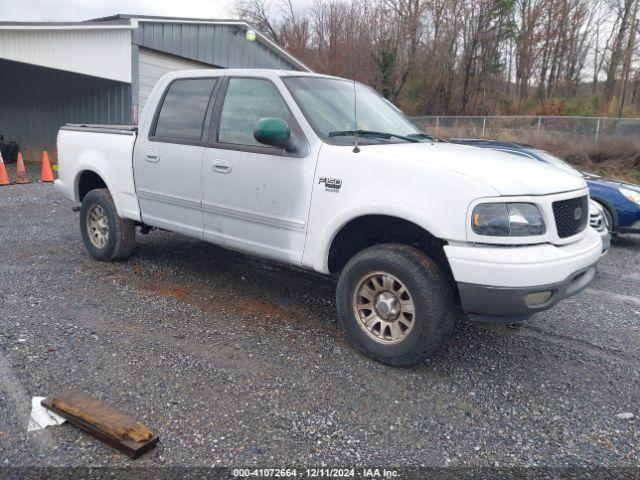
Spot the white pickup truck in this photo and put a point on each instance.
(324, 173)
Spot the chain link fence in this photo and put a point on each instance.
(583, 129)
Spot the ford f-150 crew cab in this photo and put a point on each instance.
(324, 173)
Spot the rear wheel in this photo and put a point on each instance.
(395, 304)
(106, 236)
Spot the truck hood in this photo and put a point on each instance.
(506, 173)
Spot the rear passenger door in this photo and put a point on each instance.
(168, 157)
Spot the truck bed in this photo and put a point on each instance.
(87, 127)
(102, 150)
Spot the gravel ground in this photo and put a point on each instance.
(236, 361)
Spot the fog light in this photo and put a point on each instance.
(538, 298)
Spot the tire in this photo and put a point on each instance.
(119, 240)
(9, 152)
(424, 285)
(609, 218)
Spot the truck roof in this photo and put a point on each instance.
(248, 72)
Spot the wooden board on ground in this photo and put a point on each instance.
(102, 421)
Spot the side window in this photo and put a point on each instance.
(184, 108)
(248, 100)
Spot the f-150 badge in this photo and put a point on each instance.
(331, 184)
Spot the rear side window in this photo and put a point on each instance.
(184, 108)
(248, 100)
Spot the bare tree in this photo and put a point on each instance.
(624, 10)
(258, 14)
(467, 56)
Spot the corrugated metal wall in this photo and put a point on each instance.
(36, 101)
(153, 65)
(221, 45)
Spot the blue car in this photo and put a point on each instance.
(620, 201)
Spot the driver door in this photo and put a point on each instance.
(255, 197)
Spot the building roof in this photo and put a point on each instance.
(263, 39)
(128, 21)
(156, 18)
(86, 48)
(115, 23)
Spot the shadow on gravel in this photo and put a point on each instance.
(266, 294)
(220, 280)
(626, 241)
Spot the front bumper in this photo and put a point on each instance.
(510, 305)
(606, 241)
(497, 283)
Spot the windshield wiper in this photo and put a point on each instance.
(370, 133)
(427, 137)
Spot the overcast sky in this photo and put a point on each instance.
(71, 10)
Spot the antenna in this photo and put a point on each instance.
(356, 148)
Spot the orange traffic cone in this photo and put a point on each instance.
(21, 173)
(47, 173)
(4, 178)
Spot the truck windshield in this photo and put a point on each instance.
(328, 105)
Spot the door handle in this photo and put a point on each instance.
(152, 156)
(221, 166)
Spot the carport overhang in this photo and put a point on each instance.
(88, 72)
(35, 101)
(59, 73)
(96, 49)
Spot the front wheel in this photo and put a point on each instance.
(106, 236)
(395, 304)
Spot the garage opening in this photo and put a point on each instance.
(36, 101)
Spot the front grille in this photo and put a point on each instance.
(571, 215)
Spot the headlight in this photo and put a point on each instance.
(507, 220)
(631, 195)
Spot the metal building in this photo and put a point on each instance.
(101, 71)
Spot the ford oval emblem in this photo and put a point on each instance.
(577, 213)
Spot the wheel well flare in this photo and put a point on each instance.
(369, 230)
(87, 181)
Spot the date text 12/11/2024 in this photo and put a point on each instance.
(314, 473)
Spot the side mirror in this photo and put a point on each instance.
(273, 131)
